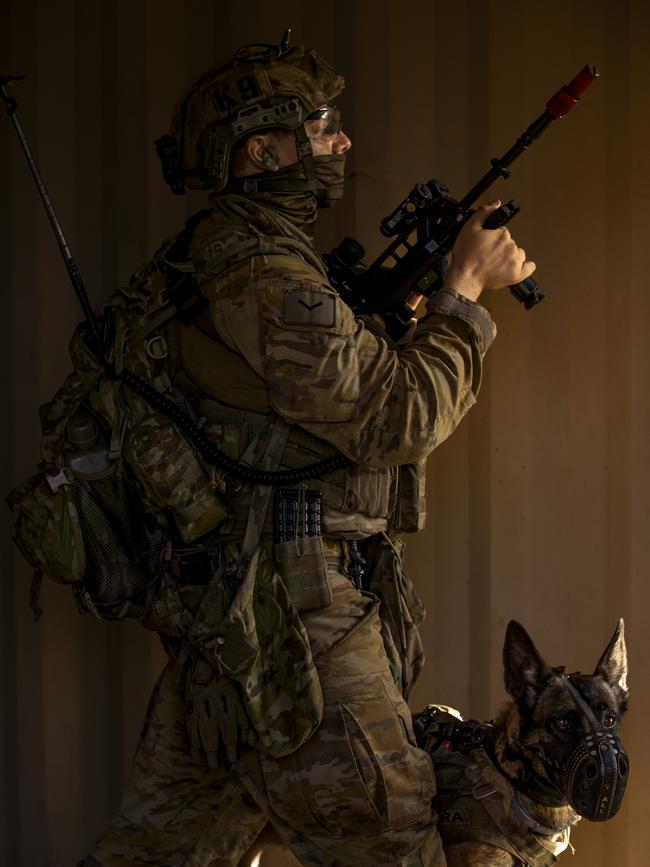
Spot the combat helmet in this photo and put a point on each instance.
(263, 86)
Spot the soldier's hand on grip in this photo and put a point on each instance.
(486, 258)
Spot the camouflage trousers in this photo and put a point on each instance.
(358, 792)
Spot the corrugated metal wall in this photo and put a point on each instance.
(538, 504)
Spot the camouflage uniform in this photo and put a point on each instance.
(316, 679)
(284, 697)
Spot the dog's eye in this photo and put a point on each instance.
(609, 717)
(562, 724)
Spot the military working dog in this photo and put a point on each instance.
(510, 791)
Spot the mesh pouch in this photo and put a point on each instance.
(123, 543)
(93, 534)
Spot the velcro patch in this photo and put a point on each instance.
(231, 96)
(309, 307)
(453, 817)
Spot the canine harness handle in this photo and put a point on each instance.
(434, 728)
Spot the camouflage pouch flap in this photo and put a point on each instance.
(262, 644)
(47, 529)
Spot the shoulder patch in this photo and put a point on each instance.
(309, 306)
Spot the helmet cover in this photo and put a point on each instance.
(261, 87)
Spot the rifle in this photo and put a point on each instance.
(424, 227)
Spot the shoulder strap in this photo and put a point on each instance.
(286, 239)
(258, 244)
(261, 494)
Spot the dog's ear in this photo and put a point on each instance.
(612, 666)
(525, 672)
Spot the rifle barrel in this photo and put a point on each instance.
(558, 106)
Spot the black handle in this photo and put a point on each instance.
(527, 292)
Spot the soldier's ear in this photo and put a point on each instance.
(525, 672)
(258, 154)
(612, 666)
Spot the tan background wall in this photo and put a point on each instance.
(538, 504)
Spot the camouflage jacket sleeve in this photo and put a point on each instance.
(328, 372)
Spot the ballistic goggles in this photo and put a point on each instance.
(330, 120)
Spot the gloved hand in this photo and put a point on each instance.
(216, 718)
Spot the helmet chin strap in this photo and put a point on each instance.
(305, 154)
(277, 182)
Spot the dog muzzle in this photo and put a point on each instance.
(594, 777)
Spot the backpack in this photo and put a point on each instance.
(128, 477)
(118, 480)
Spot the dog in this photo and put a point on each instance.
(510, 791)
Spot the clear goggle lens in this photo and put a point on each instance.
(325, 121)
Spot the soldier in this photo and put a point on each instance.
(295, 644)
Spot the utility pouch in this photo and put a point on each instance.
(122, 544)
(410, 512)
(252, 633)
(91, 533)
(173, 477)
(302, 566)
(298, 552)
(48, 530)
(167, 613)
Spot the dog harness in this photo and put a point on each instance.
(476, 803)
